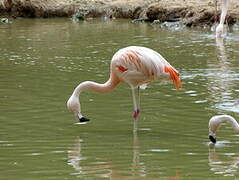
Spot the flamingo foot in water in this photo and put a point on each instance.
(136, 114)
(83, 119)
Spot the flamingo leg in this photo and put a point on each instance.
(136, 99)
(224, 7)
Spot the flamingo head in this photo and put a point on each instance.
(213, 125)
(212, 135)
(212, 138)
(219, 30)
(73, 105)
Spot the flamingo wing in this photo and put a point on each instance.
(139, 65)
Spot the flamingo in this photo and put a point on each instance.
(224, 8)
(215, 123)
(134, 65)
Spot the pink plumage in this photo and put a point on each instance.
(134, 65)
(139, 65)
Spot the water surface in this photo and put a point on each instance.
(42, 60)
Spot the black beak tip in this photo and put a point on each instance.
(212, 139)
(83, 119)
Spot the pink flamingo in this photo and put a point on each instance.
(216, 121)
(224, 8)
(134, 65)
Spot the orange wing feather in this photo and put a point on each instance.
(121, 68)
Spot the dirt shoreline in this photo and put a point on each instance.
(193, 13)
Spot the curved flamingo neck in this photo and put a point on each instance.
(97, 87)
(74, 102)
(216, 121)
(232, 121)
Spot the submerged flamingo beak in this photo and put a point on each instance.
(83, 119)
(212, 139)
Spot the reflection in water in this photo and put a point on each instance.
(107, 169)
(226, 165)
(75, 157)
(136, 147)
(221, 81)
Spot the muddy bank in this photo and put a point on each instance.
(66, 8)
(190, 12)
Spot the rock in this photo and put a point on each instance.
(206, 18)
(79, 16)
(5, 21)
(156, 13)
(162, 14)
(177, 25)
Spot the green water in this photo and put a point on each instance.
(42, 60)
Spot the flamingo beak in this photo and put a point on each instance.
(212, 139)
(83, 119)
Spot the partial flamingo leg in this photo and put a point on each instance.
(136, 114)
(136, 101)
(224, 8)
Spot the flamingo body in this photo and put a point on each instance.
(215, 123)
(133, 65)
(139, 65)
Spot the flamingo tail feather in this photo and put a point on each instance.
(174, 75)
